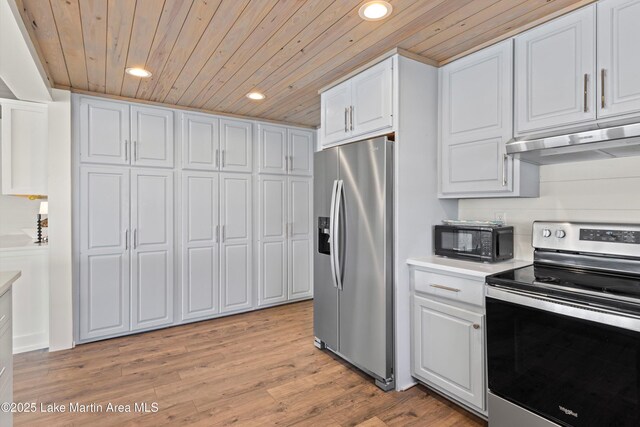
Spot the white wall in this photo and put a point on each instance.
(60, 256)
(598, 191)
(17, 213)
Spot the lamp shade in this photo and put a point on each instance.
(44, 208)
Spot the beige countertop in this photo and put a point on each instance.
(6, 280)
(470, 268)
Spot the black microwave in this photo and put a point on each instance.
(474, 243)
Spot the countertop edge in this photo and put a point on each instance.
(6, 280)
(467, 268)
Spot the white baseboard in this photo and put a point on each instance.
(24, 343)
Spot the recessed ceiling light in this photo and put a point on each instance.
(138, 72)
(256, 96)
(375, 10)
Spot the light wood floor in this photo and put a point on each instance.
(256, 369)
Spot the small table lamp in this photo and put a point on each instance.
(44, 210)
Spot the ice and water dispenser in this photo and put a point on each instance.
(323, 235)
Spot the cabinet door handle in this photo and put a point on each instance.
(126, 150)
(224, 229)
(445, 288)
(476, 326)
(217, 158)
(217, 234)
(346, 113)
(586, 93)
(135, 238)
(602, 98)
(505, 162)
(135, 150)
(126, 239)
(351, 108)
(224, 160)
(291, 163)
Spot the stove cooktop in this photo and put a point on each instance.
(617, 291)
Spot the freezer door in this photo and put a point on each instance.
(325, 293)
(365, 255)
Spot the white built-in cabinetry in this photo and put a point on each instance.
(24, 147)
(447, 329)
(6, 357)
(618, 60)
(555, 82)
(475, 125)
(358, 106)
(166, 215)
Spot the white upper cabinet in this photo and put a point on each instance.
(236, 144)
(200, 142)
(236, 242)
(200, 245)
(152, 250)
(272, 149)
(371, 102)
(476, 123)
(618, 58)
(362, 105)
(152, 136)
(24, 147)
(301, 148)
(285, 150)
(104, 131)
(555, 80)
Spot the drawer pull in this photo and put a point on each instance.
(446, 288)
(476, 326)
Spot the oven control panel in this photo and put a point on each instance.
(614, 236)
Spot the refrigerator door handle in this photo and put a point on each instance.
(332, 219)
(336, 234)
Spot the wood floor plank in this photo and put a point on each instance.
(254, 369)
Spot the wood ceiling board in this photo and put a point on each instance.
(350, 29)
(38, 17)
(251, 17)
(219, 26)
(493, 27)
(277, 43)
(322, 69)
(67, 17)
(332, 17)
(93, 14)
(145, 24)
(119, 26)
(171, 23)
(210, 53)
(279, 15)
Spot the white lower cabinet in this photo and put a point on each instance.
(284, 239)
(6, 357)
(448, 336)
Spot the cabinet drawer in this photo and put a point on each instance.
(450, 287)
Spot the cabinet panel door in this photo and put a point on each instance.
(554, 63)
(200, 245)
(476, 95)
(272, 240)
(236, 143)
(104, 251)
(618, 59)
(479, 166)
(104, 132)
(200, 142)
(24, 143)
(448, 349)
(371, 99)
(236, 240)
(152, 135)
(300, 237)
(301, 149)
(272, 149)
(334, 110)
(152, 249)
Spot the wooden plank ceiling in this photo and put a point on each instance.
(208, 54)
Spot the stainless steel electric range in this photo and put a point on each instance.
(563, 334)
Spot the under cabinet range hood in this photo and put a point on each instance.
(618, 141)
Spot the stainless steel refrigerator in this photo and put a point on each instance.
(353, 255)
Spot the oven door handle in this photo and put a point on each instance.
(566, 308)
